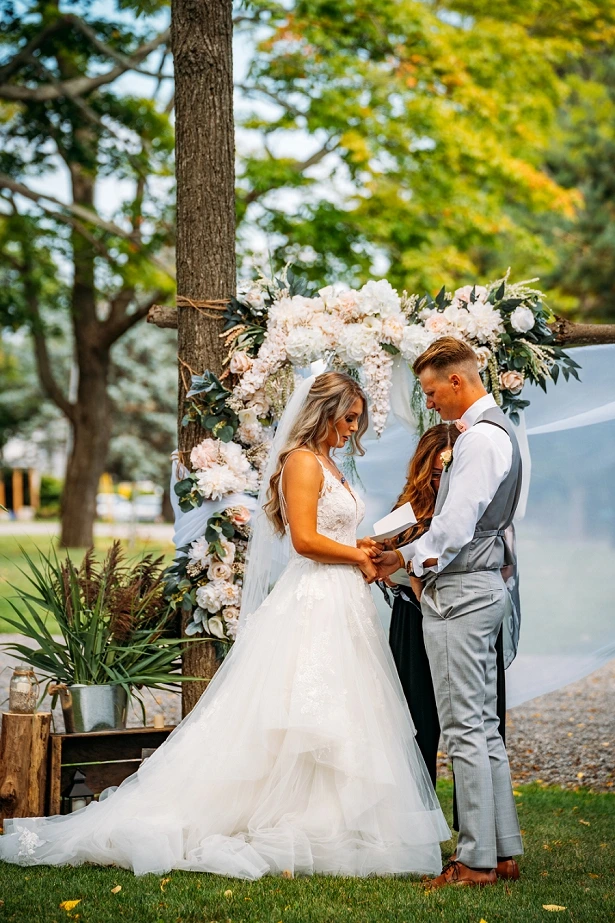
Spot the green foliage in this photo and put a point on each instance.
(426, 129)
(207, 405)
(112, 619)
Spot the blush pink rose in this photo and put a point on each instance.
(511, 381)
(240, 516)
(240, 362)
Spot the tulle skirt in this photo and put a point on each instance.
(300, 758)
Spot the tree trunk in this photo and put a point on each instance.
(91, 432)
(23, 764)
(205, 163)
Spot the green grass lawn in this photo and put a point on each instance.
(569, 862)
(11, 560)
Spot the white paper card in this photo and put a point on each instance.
(397, 521)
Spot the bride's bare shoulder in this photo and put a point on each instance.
(302, 465)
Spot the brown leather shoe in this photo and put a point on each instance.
(506, 870)
(456, 873)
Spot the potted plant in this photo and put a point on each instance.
(117, 634)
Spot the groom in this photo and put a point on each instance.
(463, 605)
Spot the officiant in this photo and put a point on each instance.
(433, 452)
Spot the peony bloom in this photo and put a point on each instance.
(484, 322)
(511, 381)
(378, 298)
(205, 454)
(437, 324)
(463, 294)
(356, 343)
(522, 319)
(198, 552)
(393, 329)
(240, 362)
(208, 597)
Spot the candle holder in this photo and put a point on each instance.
(24, 691)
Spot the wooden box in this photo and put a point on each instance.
(106, 758)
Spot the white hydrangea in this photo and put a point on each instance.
(378, 298)
(356, 343)
(414, 341)
(305, 344)
(522, 319)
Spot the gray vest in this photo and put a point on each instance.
(488, 548)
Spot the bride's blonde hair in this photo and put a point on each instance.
(329, 399)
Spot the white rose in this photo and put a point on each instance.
(259, 404)
(522, 319)
(229, 551)
(378, 298)
(437, 324)
(393, 329)
(230, 614)
(219, 571)
(240, 362)
(483, 355)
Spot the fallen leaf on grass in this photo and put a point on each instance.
(116, 890)
(515, 792)
(585, 823)
(164, 882)
(69, 905)
(228, 893)
(482, 921)
(593, 875)
(552, 907)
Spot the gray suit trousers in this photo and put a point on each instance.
(462, 615)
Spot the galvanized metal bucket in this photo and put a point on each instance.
(93, 708)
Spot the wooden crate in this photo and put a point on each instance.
(106, 758)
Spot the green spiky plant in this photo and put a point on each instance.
(114, 623)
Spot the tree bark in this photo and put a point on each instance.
(201, 35)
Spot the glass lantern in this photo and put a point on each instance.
(76, 795)
(24, 691)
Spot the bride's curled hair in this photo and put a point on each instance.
(329, 400)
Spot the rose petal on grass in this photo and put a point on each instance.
(116, 890)
(552, 907)
(69, 905)
(163, 883)
(585, 823)
(228, 893)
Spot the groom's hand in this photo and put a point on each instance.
(387, 563)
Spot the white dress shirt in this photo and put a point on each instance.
(482, 459)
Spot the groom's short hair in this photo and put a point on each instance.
(446, 354)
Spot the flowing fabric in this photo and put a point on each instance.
(566, 538)
(300, 757)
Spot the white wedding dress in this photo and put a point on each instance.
(300, 757)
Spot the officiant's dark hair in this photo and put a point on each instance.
(419, 490)
(444, 354)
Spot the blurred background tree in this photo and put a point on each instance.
(429, 141)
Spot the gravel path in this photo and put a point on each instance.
(565, 738)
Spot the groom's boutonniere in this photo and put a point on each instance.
(446, 457)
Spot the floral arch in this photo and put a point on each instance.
(273, 330)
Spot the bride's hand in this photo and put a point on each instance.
(369, 546)
(368, 568)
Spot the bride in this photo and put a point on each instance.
(300, 757)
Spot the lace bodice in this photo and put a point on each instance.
(339, 510)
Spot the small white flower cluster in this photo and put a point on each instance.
(221, 469)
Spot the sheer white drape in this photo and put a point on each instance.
(566, 539)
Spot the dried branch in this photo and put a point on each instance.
(70, 210)
(162, 317)
(567, 333)
(80, 86)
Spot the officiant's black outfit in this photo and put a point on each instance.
(408, 649)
